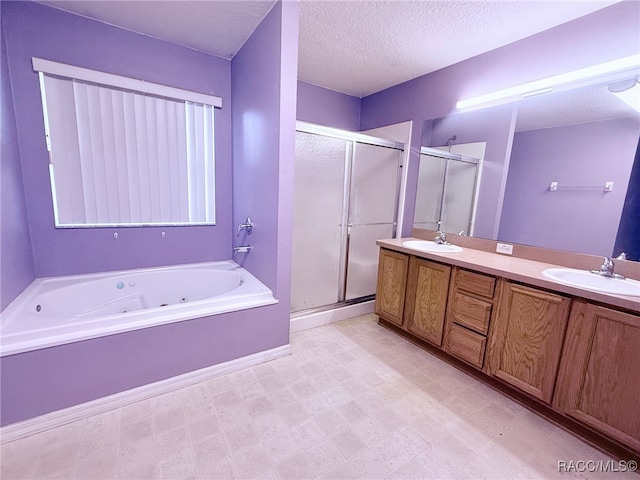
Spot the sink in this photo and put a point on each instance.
(591, 281)
(429, 246)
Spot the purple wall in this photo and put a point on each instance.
(605, 35)
(16, 258)
(32, 30)
(584, 155)
(327, 107)
(494, 126)
(39, 382)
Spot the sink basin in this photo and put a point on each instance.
(429, 246)
(591, 281)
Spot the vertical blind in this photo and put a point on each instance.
(121, 157)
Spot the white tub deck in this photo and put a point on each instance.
(59, 310)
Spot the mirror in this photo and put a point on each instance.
(566, 176)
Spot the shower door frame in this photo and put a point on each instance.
(345, 227)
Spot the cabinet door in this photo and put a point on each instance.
(427, 291)
(390, 290)
(599, 378)
(527, 339)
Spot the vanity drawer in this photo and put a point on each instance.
(472, 313)
(483, 285)
(466, 345)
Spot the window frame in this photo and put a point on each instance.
(116, 82)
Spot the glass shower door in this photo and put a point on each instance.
(318, 219)
(430, 192)
(445, 199)
(372, 212)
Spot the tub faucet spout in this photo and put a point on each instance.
(242, 249)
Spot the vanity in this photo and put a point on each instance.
(569, 353)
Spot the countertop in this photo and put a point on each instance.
(512, 268)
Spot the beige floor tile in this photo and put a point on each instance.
(281, 396)
(331, 422)
(294, 414)
(222, 470)
(496, 461)
(295, 468)
(369, 464)
(308, 433)
(323, 457)
(168, 419)
(244, 436)
(169, 441)
(203, 428)
(135, 412)
(270, 425)
(281, 447)
(430, 464)
(180, 465)
(371, 430)
(341, 472)
(135, 431)
(103, 466)
(353, 401)
(252, 462)
(211, 450)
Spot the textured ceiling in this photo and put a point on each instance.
(571, 107)
(360, 47)
(357, 47)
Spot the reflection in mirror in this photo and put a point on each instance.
(581, 139)
(446, 190)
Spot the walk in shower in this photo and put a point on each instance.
(446, 195)
(345, 198)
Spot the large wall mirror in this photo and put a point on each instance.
(568, 171)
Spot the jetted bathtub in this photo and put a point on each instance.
(58, 310)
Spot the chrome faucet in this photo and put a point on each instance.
(247, 226)
(242, 249)
(606, 269)
(441, 239)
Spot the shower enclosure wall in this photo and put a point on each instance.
(446, 195)
(345, 198)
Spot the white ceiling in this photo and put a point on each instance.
(360, 47)
(355, 47)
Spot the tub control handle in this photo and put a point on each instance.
(247, 226)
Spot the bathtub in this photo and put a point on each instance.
(58, 310)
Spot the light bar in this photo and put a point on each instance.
(549, 84)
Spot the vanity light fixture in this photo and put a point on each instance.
(628, 92)
(581, 77)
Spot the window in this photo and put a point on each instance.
(126, 152)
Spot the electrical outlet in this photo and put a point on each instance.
(504, 248)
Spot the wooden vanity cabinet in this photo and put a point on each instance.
(392, 280)
(426, 303)
(599, 378)
(527, 337)
(469, 315)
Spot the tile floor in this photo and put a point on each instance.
(353, 401)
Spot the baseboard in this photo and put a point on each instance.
(317, 319)
(58, 418)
